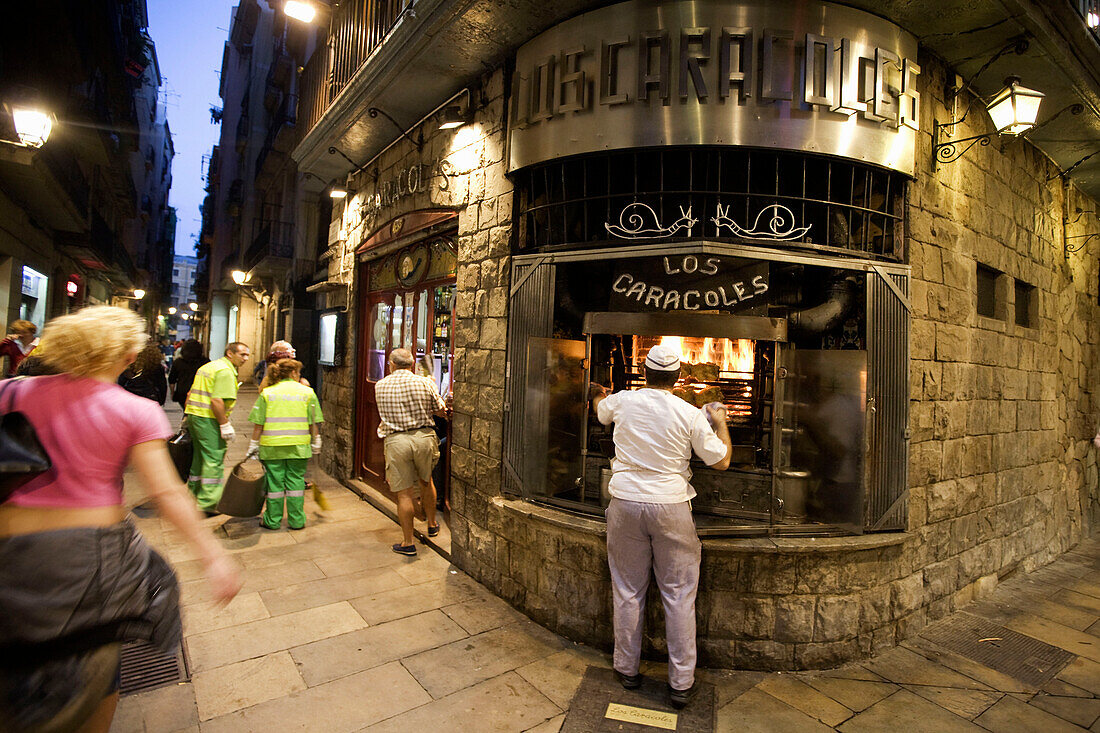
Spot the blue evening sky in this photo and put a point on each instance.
(189, 37)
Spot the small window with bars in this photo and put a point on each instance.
(719, 194)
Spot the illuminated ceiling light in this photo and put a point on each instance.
(32, 126)
(193, 306)
(139, 293)
(1015, 108)
(452, 118)
(338, 192)
(1093, 19)
(172, 310)
(239, 276)
(303, 11)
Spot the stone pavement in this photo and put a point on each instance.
(333, 632)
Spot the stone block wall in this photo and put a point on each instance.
(1001, 471)
(1002, 475)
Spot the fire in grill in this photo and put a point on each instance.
(711, 370)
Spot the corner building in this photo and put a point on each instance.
(904, 334)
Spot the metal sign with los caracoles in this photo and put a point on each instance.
(809, 76)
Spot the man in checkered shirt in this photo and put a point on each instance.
(406, 403)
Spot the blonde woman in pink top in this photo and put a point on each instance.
(75, 577)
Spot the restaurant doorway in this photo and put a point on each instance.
(407, 301)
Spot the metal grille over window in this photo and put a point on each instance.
(720, 194)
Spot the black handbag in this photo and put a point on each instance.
(181, 450)
(22, 456)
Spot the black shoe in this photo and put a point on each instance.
(680, 698)
(629, 681)
(433, 530)
(407, 550)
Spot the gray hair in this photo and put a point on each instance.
(402, 358)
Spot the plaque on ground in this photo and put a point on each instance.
(602, 705)
(1004, 650)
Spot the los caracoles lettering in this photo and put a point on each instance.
(726, 294)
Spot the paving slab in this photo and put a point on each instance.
(1073, 709)
(967, 704)
(558, 675)
(168, 708)
(209, 616)
(1072, 640)
(1080, 601)
(1010, 715)
(300, 596)
(255, 639)
(856, 695)
(385, 606)
(904, 666)
(235, 686)
(801, 696)
(758, 712)
(329, 659)
(483, 613)
(451, 667)
(503, 704)
(1082, 673)
(341, 706)
(904, 711)
(550, 726)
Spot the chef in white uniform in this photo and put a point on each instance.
(649, 522)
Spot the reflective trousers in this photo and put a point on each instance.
(285, 479)
(660, 537)
(207, 463)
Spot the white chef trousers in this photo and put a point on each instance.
(641, 536)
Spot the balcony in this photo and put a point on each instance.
(282, 136)
(358, 27)
(272, 251)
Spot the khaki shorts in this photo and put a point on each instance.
(410, 457)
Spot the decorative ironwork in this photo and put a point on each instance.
(949, 151)
(1078, 247)
(803, 200)
(638, 221)
(780, 224)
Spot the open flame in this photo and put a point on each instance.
(731, 355)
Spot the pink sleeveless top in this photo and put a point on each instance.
(87, 427)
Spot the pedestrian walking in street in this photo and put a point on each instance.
(18, 344)
(182, 373)
(406, 405)
(279, 350)
(286, 416)
(649, 522)
(146, 377)
(209, 404)
(76, 578)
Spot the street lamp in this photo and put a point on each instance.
(1015, 107)
(32, 126)
(299, 10)
(139, 293)
(172, 310)
(338, 192)
(193, 306)
(239, 276)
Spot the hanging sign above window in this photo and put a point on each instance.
(689, 283)
(809, 76)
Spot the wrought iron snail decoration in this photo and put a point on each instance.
(773, 223)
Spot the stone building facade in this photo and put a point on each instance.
(1003, 352)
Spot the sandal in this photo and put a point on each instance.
(400, 549)
(433, 530)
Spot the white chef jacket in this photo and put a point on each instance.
(655, 433)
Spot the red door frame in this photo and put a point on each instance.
(369, 466)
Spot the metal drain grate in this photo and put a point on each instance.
(144, 667)
(1022, 657)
